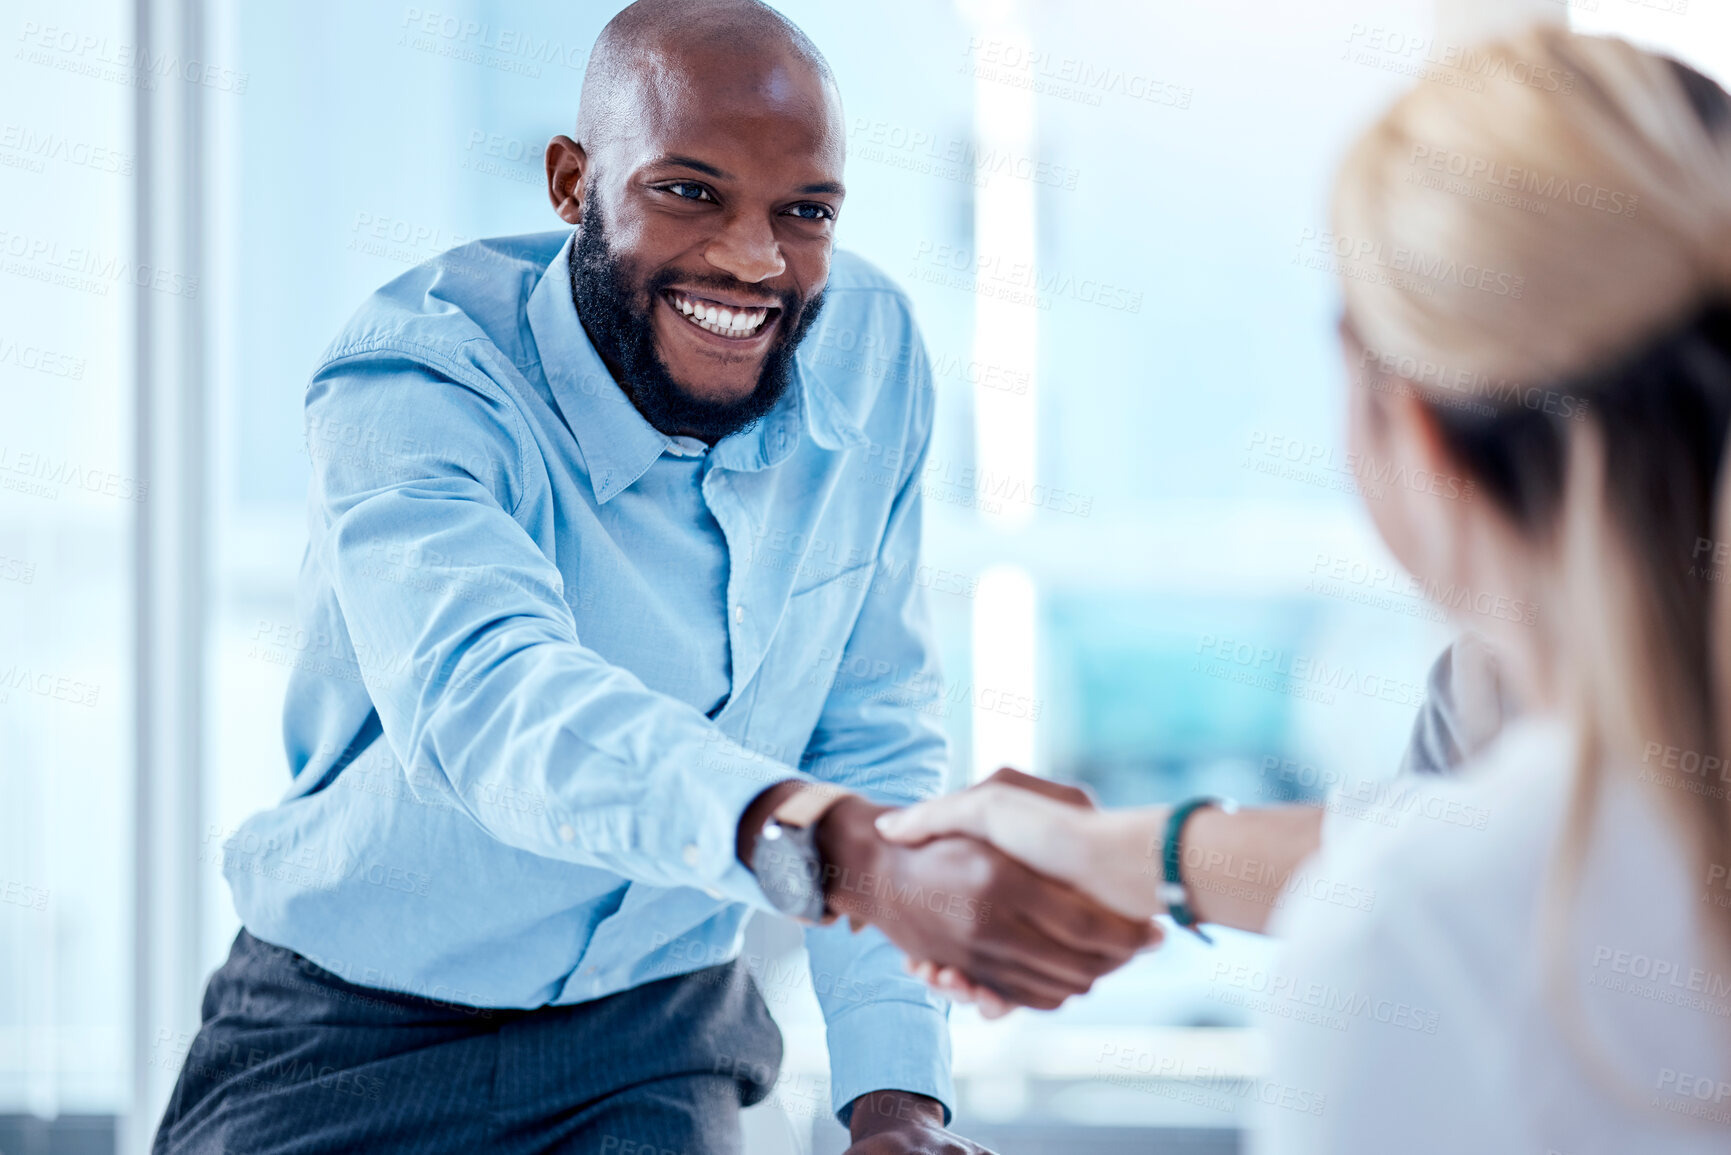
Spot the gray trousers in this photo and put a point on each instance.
(293, 1059)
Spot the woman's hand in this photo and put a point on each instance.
(1052, 828)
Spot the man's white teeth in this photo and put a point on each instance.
(725, 322)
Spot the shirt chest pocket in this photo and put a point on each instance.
(799, 668)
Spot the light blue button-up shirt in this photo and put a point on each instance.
(546, 655)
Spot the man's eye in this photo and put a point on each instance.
(688, 190)
(813, 212)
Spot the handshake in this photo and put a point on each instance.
(1017, 892)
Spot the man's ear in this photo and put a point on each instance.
(567, 165)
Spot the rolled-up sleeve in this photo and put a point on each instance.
(497, 694)
(881, 736)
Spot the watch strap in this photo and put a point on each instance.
(1172, 890)
(786, 859)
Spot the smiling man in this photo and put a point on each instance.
(609, 640)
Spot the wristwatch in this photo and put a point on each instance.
(785, 857)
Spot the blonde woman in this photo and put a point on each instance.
(1557, 977)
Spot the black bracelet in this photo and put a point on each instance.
(1173, 891)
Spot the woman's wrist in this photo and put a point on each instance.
(1123, 851)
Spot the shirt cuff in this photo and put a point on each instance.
(733, 776)
(890, 1046)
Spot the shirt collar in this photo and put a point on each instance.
(617, 444)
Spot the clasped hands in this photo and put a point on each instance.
(1012, 893)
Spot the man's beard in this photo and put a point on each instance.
(618, 320)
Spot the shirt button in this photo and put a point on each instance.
(711, 892)
(739, 613)
(567, 832)
(691, 854)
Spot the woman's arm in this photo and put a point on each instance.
(1235, 865)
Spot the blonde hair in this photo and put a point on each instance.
(1568, 226)
(1573, 283)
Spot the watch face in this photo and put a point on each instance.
(787, 866)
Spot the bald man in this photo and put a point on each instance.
(609, 635)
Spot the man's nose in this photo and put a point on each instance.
(746, 247)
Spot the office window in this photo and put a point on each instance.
(68, 495)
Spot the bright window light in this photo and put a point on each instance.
(1005, 320)
(1006, 705)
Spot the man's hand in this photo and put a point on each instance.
(1032, 831)
(1065, 792)
(902, 1123)
(959, 903)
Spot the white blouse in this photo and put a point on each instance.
(1443, 1019)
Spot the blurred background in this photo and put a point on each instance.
(1148, 562)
